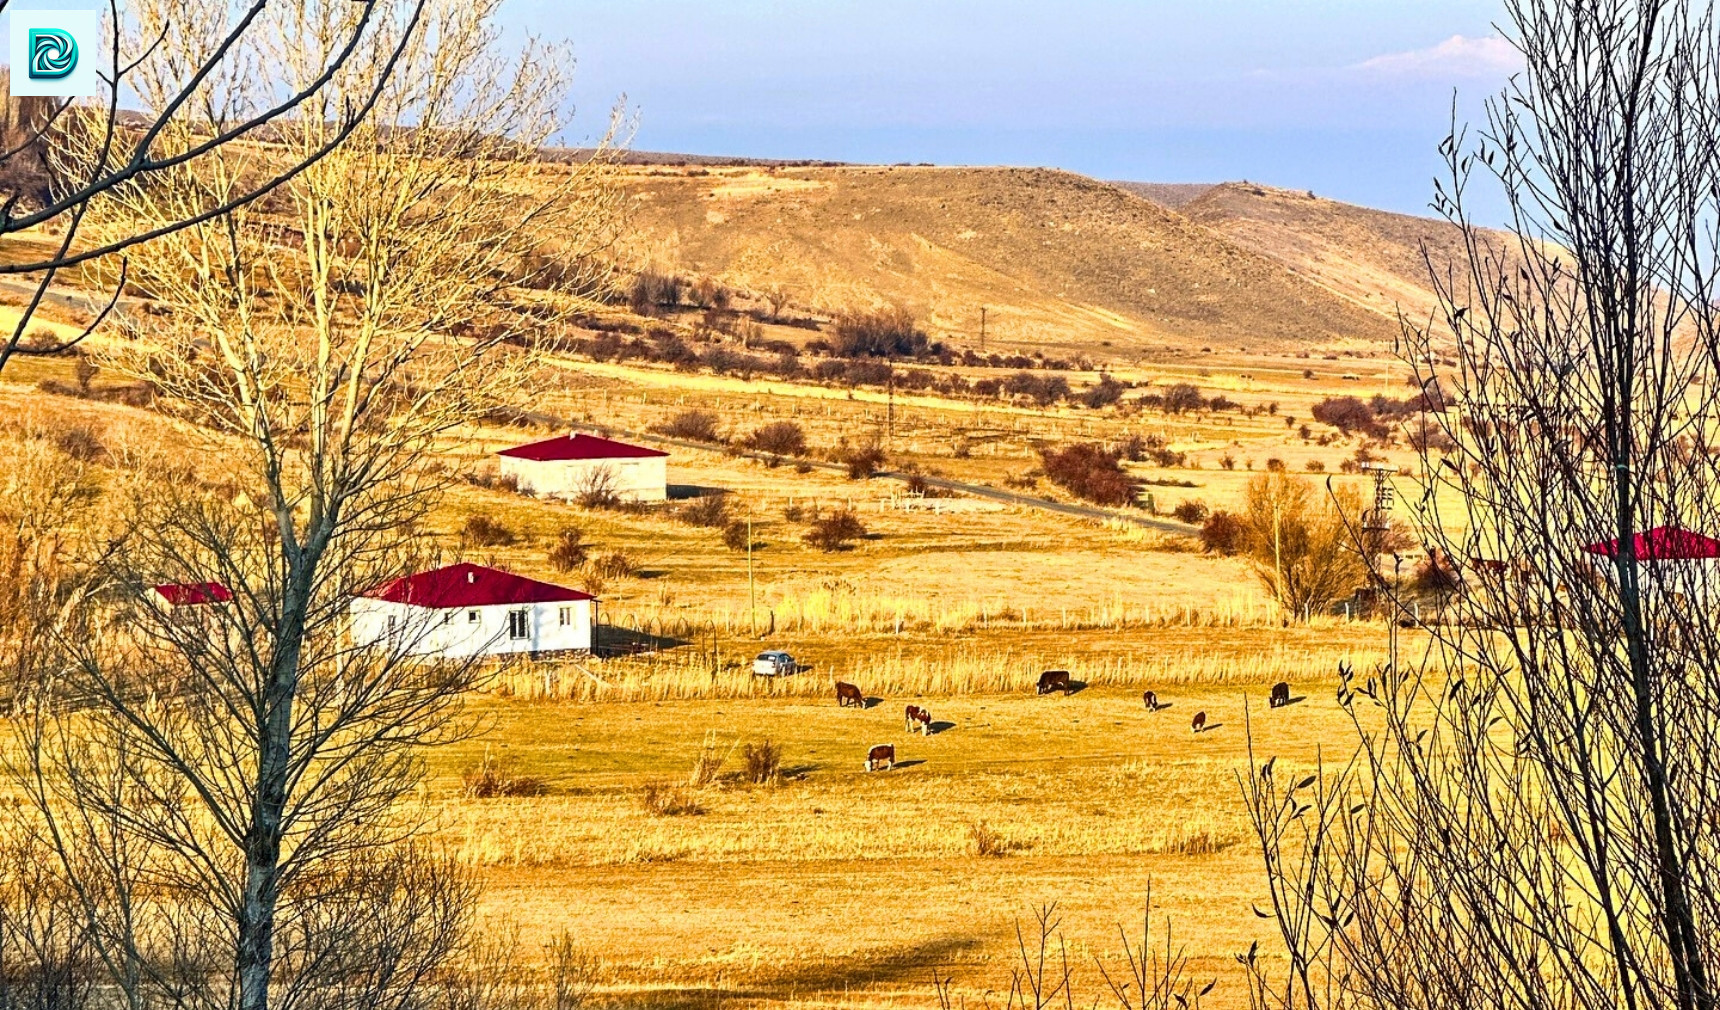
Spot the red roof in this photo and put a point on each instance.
(469, 585)
(193, 594)
(579, 446)
(1664, 543)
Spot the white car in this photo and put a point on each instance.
(774, 664)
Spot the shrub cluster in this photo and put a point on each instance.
(1091, 471)
(836, 531)
(482, 531)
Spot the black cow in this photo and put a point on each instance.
(1198, 724)
(1280, 695)
(848, 695)
(1054, 680)
(1150, 699)
(881, 754)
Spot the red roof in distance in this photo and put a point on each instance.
(193, 594)
(1663, 543)
(579, 446)
(469, 585)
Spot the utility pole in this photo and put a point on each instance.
(890, 415)
(982, 329)
(752, 592)
(1376, 526)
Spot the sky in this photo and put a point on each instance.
(1348, 98)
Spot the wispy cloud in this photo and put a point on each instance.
(1457, 56)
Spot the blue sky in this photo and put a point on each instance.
(1346, 97)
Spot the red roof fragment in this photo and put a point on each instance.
(1663, 543)
(193, 594)
(469, 585)
(579, 446)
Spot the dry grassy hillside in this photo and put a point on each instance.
(1058, 260)
(1372, 258)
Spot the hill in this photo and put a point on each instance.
(1173, 195)
(1371, 258)
(1057, 260)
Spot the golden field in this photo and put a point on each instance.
(833, 886)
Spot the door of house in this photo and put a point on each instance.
(519, 624)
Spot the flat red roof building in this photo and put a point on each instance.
(579, 446)
(1663, 543)
(581, 466)
(192, 594)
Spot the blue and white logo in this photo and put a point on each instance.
(54, 53)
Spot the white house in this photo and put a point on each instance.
(570, 465)
(468, 610)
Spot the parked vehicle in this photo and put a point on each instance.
(775, 664)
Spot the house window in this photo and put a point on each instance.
(472, 617)
(519, 624)
(447, 617)
(565, 617)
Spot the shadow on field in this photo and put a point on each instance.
(613, 641)
(872, 703)
(892, 966)
(910, 764)
(939, 726)
(682, 492)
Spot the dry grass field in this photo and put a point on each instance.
(830, 886)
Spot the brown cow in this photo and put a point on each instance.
(881, 754)
(1151, 700)
(1199, 723)
(848, 695)
(1280, 695)
(918, 719)
(1054, 680)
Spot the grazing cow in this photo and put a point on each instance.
(917, 718)
(883, 755)
(848, 694)
(1280, 695)
(1054, 680)
(1199, 723)
(1151, 700)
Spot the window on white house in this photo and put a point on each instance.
(447, 617)
(565, 616)
(472, 617)
(519, 624)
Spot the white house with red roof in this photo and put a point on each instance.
(468, 610)
(571, 465)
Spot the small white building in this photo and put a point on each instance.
(571, 465)
(469, 610)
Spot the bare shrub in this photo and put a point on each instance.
(693, 425)
(1222, 533)
(613, 565)
(988, 842)
(710, 512)
(494, 777)
(708, 765)
(763, 762)
(1191, 511)
(836, 531)
(482, 531)
(737, 535)
(568, 552)
(779, 438)
(669, 799)
(863, 462)
(1300, 540)
(886, 333)
(1090, 471)
(80, 442)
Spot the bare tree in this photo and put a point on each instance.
(224, 777)
(1299, 541)
(183, 61)
(1534, 817)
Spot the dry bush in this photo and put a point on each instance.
(836, 531)
(482, 531)
(693, 425)
(988, 842)
(887, 333)
(81, 443)
(708, 512)
(1090, 471)
(1191, 511)
(1301, 542)
(763, 763)
(737, 536)
(669, 799)
(494, 777)
(708, 765)
(863, 462)
(568, 552)
(779, 438)
(1222, 533)
(613, 565)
